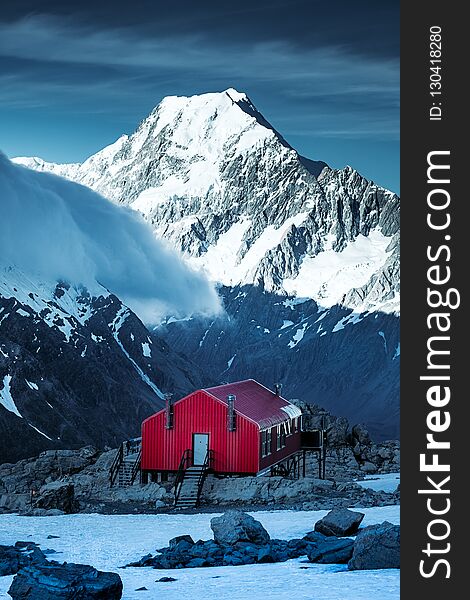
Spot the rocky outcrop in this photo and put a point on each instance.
(51, 465)
(350, 449)
(377, 547)
(44, 484)
(264, 490)
(339, 522)
(67, 581)
(360, 435)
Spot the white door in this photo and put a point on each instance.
(200, 447)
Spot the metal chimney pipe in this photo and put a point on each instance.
(231, 424)
(277, 388)
(168, 411)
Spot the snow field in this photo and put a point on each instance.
(110, 541)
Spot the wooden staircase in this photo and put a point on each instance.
(190, 480)
(126, 464)
(188, 496)
(125, 474)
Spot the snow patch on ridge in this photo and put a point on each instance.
(221, 263)
(298, 336)
(329, 276)
(6, 399)
(39, 431)
(116, 325)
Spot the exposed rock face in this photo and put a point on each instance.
(377, 547)
(51, 465)
(308, 255)
(332, 358)
(54, 471)
(236, 526)
(339, 522)
(263, 490)
(349, 449)
(67, 581)
(360, 434)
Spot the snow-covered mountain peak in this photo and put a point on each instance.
(236, 96)
(205, 125)
(217, 181)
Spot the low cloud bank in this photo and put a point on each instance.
(54, 229)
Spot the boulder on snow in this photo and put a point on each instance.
(339, 522)
(330, 550)
(43, 512)
(67, 581)
(237, 526)
(22, 554)
(9, 560)
(180, 538)
(377, 547)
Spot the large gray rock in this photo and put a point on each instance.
(67, 581)
(377, 547)
(237, 526)
(361, 434)
(368, 468)
(59, 496)
(14, 502)
(51, 465)
(339, 522)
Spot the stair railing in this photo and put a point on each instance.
(185, 462)
(136, 467)
(206, 467)
(116, 465)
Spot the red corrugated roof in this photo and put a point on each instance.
(257, 403)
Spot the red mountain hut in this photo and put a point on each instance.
(239, 428)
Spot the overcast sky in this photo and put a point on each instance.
(75, 76)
